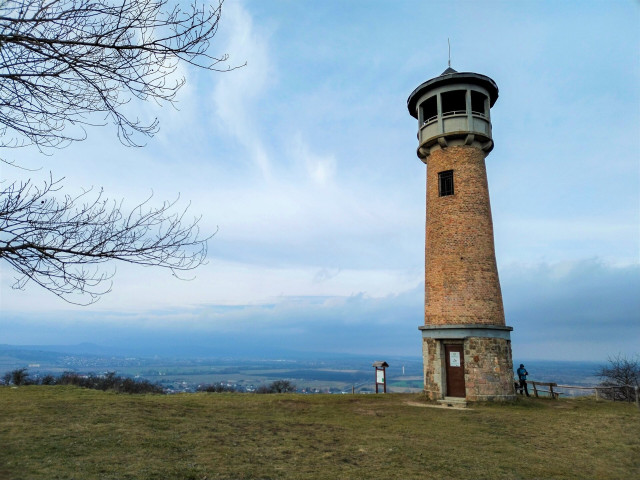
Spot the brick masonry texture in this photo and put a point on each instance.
(461, 277)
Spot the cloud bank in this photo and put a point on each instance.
(545, 304)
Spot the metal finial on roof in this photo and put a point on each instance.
(449, 52)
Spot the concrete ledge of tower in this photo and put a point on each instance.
(455, 139)
(466, 325)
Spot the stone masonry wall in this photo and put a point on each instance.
(432, 362)
(461, 277)
(488, 369)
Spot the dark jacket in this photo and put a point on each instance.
(522, 373)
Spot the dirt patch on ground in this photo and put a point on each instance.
(435, 405)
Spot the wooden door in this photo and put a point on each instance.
(455, 370)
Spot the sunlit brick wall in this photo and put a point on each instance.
(461, 277)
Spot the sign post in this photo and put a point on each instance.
(381, 378)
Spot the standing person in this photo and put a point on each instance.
(522, 376)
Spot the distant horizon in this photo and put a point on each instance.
(288, 355)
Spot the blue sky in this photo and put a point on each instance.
(305, 162)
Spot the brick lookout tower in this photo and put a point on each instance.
(466, 345)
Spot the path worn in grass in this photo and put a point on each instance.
(67, 432)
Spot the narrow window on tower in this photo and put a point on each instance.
(445, 183)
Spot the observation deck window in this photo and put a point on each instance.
(429, 109)
(454, 102)
(478, 103)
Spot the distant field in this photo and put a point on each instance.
(67, 432)
(323, 373)
(317, 372)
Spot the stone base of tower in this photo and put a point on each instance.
(468, 361)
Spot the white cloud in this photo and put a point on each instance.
(236, 94)
(566, 239)
(320, 169)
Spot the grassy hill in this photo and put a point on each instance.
(68, 432)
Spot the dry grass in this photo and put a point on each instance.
(67, 432)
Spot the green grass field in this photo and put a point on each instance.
(71, 433)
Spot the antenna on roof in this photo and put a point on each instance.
(449, 52)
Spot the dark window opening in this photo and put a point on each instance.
(445, 183)
(454, 102)
(429, 109)
(478, 103)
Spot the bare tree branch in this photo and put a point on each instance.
(59, 241)
(66, 64)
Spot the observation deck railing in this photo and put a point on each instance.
(454, 112)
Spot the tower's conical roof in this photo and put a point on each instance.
(448, 71)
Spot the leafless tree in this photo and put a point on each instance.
(278, 386)
(16, 377)
(69, 64)
(623, 374)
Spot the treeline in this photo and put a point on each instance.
(279, 386)
(110, 381)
